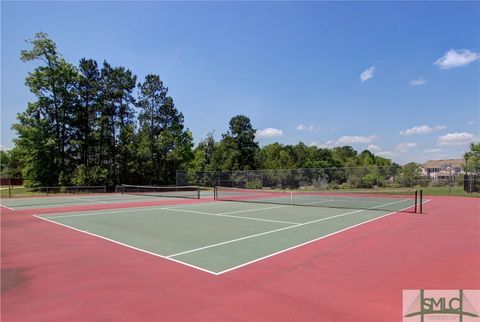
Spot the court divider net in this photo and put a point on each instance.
(190, 192)
(368, 199)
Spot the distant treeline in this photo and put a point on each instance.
(94, 124)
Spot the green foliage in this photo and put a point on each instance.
(86, 127)
(239, 144)
(164, 144)
(472, 158)
(343, 154)
(83, 176)
(82, 126)
(254, 184)
(410, 174)
(475, 150)
(79, 176)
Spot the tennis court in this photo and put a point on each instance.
(265, 249)
(130, 194)
(219, 236)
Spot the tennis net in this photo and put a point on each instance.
(383, 200)
(190, 192)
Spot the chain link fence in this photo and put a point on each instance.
(325, 179)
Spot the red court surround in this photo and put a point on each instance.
(50, 273)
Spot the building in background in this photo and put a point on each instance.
(442, 170)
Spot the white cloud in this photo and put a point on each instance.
(471, 122)
(404, 147)
(422, 129)
(367, 74)
(435, 150)
(327, 145)
(454, 58)
(345, 140)
(311, 128)
(269, 132)
(373, 148)
(457, 138)
(384, 153)
(418, 82)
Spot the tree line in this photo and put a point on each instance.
(96, 124)
(87, 126)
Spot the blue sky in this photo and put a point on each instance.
(401, 79)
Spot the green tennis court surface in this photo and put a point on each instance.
(219, 236)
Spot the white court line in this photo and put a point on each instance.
(7, 207)
(223, 214)
(203, 269)
(276, 230)
(126, 245)
(226, 214)
(308, 242)
(87, 200)
(425, 201)
(115, 211)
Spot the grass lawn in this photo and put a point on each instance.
(443, 191)
(19, 191)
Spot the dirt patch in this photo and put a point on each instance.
(13, 278)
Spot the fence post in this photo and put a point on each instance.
(450, 180)
(9, 181)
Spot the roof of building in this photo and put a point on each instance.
(443, 163)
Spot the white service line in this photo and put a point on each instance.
(223, 214)
(87, 200)
(126, 245)
(115, 211)
(7, 207)
(226, 214)
(308, 242)
(279, 229)
(260, 234)
(112, 211)
(227, 270)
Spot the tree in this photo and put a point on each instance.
(89, 85)
(204, 155)
(472, 158)
(11, 163)
(117, 120)
(410, 174)
(165, 145)
(82, 126)
(344, 153)
(44, 130)
(240, 144)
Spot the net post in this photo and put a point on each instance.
(416, 200)
(421, 201)
(215, 192)
(291, 198)
(198, 192)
